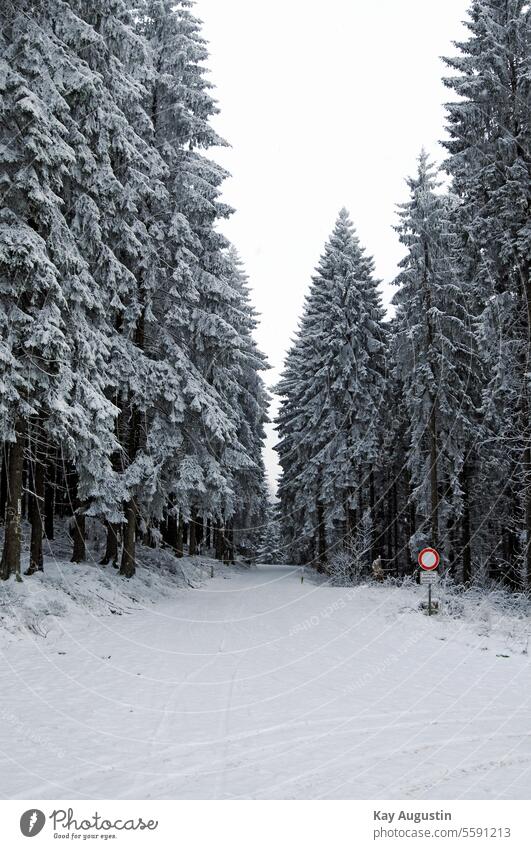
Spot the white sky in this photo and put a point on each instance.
(325, 105)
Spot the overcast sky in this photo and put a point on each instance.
(325, 105)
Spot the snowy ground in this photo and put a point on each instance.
(252, 685)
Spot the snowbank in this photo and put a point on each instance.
(488, 615)
(66, 589)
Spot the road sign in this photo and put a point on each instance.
(429, 559)
(429, 577)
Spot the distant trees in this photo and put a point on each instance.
(270, 548)
(131, 384)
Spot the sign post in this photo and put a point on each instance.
(428, 561)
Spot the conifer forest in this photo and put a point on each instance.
(132, 390)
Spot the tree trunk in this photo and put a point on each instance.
(79, 550)
(346, 525)
(396, 543)
(527, 477)
(37, 501)
(465, 542)
(526, 459)
(219, 542)
(111, 545)
(372, 514)
(200, 530)
(434, 486)
(208, 536)
(192, 535)
(412, 517)
(77, 527)
(451, 543)
(508, 571)
(350, 523)
(179, 548)
(172, 523)
(389, 524)
(321, 536)
(10, 563)
(127, 567)
(49, 494)
(25, 512)
(3, 481)
(230, 542)
(62, 506)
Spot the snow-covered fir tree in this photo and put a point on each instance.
(270, 550)
(330, 424)
(128, 354)
(56, 330)
(213, 471)
(434, 345)
(490, 162)
(253, 402)
(135, 169)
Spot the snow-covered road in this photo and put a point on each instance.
(256, 686)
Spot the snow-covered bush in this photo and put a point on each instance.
(490, 609)
(346, 568)
(339, 568)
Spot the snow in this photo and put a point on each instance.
(64, 589)
(255, 685)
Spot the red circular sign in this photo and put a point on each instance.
(429, 559)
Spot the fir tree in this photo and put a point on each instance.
(436, 359)
(269, 551)
(202, 311)
(490, 163)
(55, 329)
(336, 397)
(125, 184)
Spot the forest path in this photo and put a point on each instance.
(258, 686)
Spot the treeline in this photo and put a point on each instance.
(413, 431)
(130, 384)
